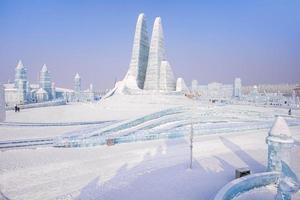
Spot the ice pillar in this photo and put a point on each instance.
(279, 142)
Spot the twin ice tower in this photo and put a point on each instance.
(149, 69)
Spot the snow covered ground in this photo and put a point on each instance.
(142, 170)
(155, 169)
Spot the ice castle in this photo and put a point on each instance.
(23, 92)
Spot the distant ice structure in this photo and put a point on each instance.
(237, 88)
(194, 86)
(46, 83)
(181, 86)
(21, 92)
(2, 104)
(21, 83)
(82, 95)
(77, 83)
(280, 143)
(41, 95)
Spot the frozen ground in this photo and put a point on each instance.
(235, 137)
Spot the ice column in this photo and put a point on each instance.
(2, 104)
(279, 142)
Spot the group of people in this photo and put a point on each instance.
(17, 108)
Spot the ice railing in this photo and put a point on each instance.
(247, 183)
(146, 135)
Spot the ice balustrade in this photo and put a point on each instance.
(247, 183)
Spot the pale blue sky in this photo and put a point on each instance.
(256, 40)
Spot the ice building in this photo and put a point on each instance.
(149, 69)
(215, 91)
(280, 143)
(237, 88)
(79, 94)
(2, 104)
(21, 92)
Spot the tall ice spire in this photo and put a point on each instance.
(156, 55)
(135, 76)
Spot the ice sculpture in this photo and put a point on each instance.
(2, 104)
(279, 142)
(135, 76)
(181, 86)
(288, 183)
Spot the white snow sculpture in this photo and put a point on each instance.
(135, 76)
(156, 55)
(159, 76)
(279, 142)
(149, 69)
